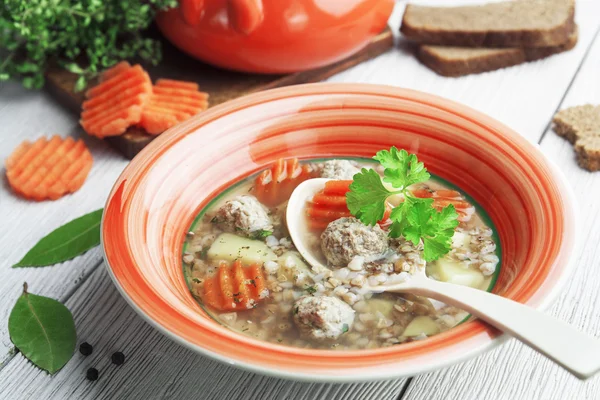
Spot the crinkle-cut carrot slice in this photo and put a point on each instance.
(275, 185)
(241, 297)
(330, 204)
(212, 294)
(158, 123)
(177, 84)
(235, 287)
(48, 169)
(329, 201)
(226, 285)
(256, 282)
(114, 71)
(326, 213)
(179, 92)
(117, 102)
(172, 102)
(336, 188)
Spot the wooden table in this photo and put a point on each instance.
(523, 97)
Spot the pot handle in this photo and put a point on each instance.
(245, 15)
(192, 11)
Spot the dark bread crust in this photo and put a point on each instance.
(474, 65)
(489, 37)
(474, 61)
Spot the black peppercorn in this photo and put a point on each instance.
(118, 358)
(92, 374)
(85, 348)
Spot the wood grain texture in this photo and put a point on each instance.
(155, 367)
(220, 84)
(523, 97)
(515, 371)
(29, 115)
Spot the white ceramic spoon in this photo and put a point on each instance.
(577, 352)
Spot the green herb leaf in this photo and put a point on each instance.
(416, 219)
(261, 234)
(80, 84)
(66, 242)
(74, 68)
(43, 330)
(345, 328)
(97, 34)
(366, 198)
(310, 289)
(401, 169)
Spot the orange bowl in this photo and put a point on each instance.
(154, 201)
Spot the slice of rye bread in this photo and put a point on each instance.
(581, 125)
(459, 61)
(519, 23)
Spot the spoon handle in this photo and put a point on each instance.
(576, 351)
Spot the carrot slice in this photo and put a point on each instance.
(212, 295)
(116, 103)
(172, 102)
(235, 288)
(275, 185)
(239, 279)
(172, 83)
(452, 194)
(330, 201)
(458, 204)
(422, 193)
(330, 204)
(256, 281)
(48, 169)
(326, 214)
(337, 188)
(114, 71)
(226, 284)
(444, 197)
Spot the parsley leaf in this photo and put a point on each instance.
(310, 289)
(415, 218)
(366, 198)
(401, 169)
(261, 234)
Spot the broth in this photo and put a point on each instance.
(309, 308)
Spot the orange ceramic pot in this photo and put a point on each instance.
(273, 36)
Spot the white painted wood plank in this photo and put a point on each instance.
(514, 371)
(29, 115)
(155, 366)
(524, 97)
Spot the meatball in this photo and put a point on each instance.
(339, 169)
(322, 317)
(345, 238)
(244, 214)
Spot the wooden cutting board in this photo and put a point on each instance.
(221, 85)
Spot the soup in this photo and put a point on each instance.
(243, 268)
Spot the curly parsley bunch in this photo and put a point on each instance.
(84, 36)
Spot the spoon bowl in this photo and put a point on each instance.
(573, 350)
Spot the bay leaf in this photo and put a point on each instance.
(66, 242)
(43, 330)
